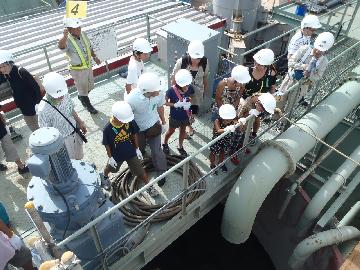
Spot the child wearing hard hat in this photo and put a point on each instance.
(179, 101)
(25, 89)
(307, 64)
(195, 61)
(259, 105)
(121, 142)
(226, 121)
(141, 50)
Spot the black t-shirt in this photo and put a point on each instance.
(25, 89)
(263, 85)
(119, 140)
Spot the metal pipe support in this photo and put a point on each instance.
(323, 239)
(350, 215)
(326, 192)
(271, 164)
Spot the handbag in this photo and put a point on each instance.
(76, 129)
(153, 131)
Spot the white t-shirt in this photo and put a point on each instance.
(135, 69)
(49, 117)
(298, 40)
(145, 109)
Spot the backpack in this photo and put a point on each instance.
(185, 61)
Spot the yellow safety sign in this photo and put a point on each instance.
(76, 9)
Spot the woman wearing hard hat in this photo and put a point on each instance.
(25, 89)
(263, 75)
(141, 50)
(309, 25)
(195, 61)
(309, 64)
(58, 110)
(179, 101)
(230, 90)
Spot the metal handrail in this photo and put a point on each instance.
(141, 190)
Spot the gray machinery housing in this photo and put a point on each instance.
(174, 39)
(67, 195)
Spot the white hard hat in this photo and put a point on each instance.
(183, 77)
(196, 49)
(264, 57)
(241, 74)
(122, 111)
(268, 101)
(149, 82)
(72, 22)
(6, 56)
(55, 85)
(311, 21)
(324, 41)
(227, 112)
(142, 45)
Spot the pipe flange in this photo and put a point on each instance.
(289, 156)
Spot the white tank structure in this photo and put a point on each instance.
(247, 8)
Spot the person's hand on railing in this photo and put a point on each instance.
(230, 128)
(139, 154)
(242, 121)
(112, 162)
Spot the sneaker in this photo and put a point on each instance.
(214, 172)
(152, 191)
(182, 151)
(3, 167)
(105, 182)
(166, 148)
(235, 160)
(224, 168)
(162, 182)
(24, 170)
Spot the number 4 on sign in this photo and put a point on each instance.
(76, 9)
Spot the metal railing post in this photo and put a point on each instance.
(249, 126)
(107, 69)
(96, 238)
(148, 32)
(185, 186)
(328, 21)
(292, 101)
(47, 59)
(352, 18)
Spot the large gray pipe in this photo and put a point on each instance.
(323, 239)
(326, 192)
(279, 157)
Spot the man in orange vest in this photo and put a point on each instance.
(78, 48)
